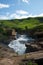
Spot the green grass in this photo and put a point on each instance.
(33, 24)
(17, 23)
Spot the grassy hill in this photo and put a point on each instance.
(28, 26)
(7, 56)
(22, 23)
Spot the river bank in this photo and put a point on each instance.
(7, 55)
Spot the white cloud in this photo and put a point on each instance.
(26, 1)
(17, 16)
(21, 17)
(4, 5)
(40, 15)
(21, 12)
(2, 17)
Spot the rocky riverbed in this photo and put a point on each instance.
(9, 57)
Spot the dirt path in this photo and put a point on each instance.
(15, 60)
(8, 57)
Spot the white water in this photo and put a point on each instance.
(23, 38)
(19, 44)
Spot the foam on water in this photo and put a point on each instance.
(22, 38)
(18, 45)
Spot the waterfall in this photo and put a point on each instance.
(18, 45)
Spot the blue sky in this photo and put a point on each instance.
(17, 9)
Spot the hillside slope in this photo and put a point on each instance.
(22, 23)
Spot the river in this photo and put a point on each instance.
(18, 45)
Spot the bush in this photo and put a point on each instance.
(28, 63)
